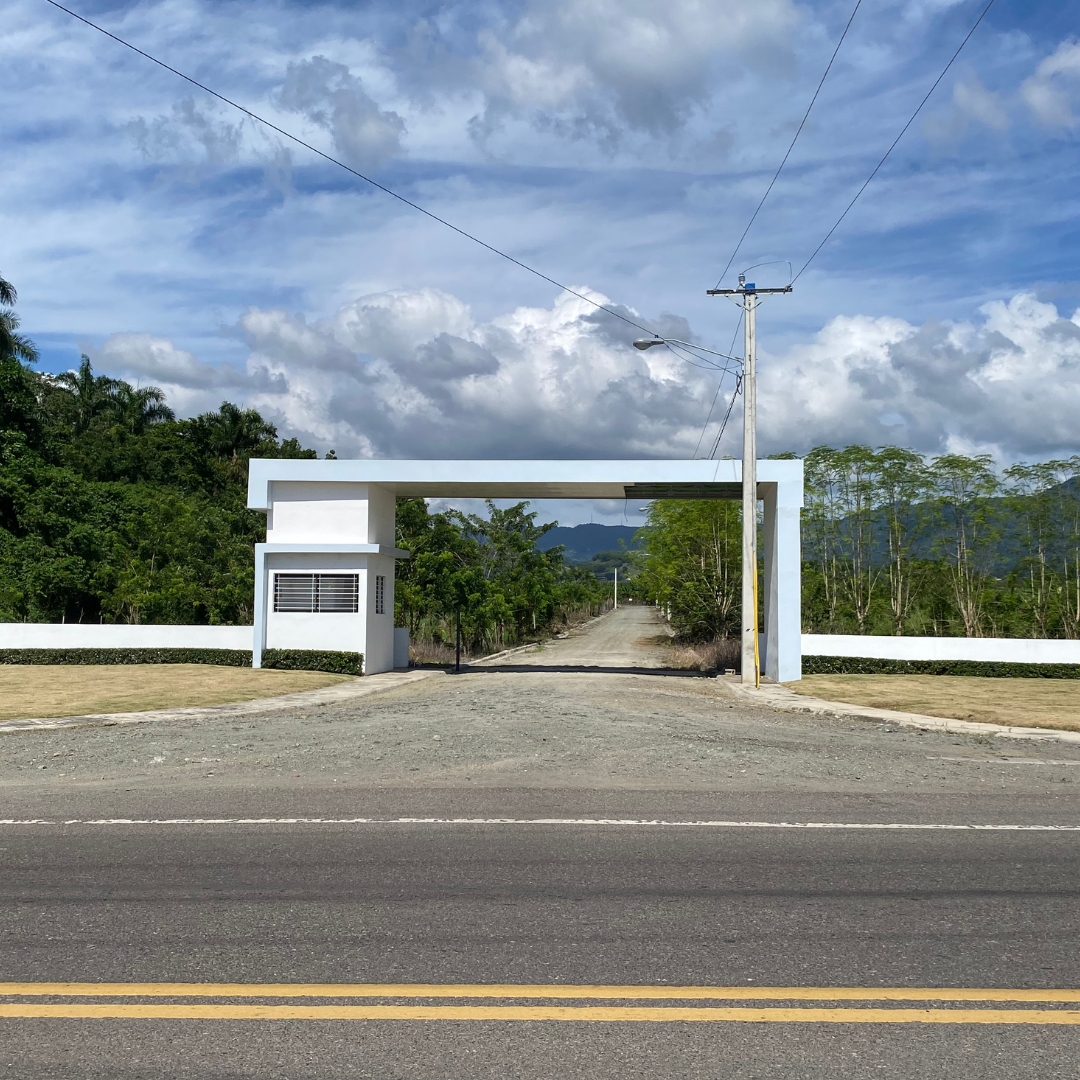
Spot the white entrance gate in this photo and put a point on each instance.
(324, 579)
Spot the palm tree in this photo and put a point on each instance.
(137, 410)
(12, 343)
(91, 394)
(233, 433)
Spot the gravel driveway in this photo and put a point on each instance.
(540, 721)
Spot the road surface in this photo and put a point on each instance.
(328, 924)
(628, 638)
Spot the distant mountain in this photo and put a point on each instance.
(582, 542)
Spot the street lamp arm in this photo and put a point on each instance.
(648, 343)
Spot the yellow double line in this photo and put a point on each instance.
(938, 1004)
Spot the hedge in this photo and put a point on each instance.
(987, 669)
(339, 663)
(222, 657)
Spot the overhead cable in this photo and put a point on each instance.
(795, 139)
(719, 386)
(911, 121)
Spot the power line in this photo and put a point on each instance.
(911, 121)
(727, 417)
(335, 161)
(719, 385)
(802, 124)
(705, 428)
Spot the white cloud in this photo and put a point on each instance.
(330, 96)
(187, 130)
(1009, 385)
(1052, 92)
(972, 105)
(599, 68)
(414, 374)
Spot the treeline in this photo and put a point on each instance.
(112, 510)
(893, 543)
(488, 572)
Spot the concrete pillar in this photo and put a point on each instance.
(782, 632)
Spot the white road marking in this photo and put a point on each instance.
(579, 822)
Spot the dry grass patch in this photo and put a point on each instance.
(45, 690)
(1043, 703)
(721, 655)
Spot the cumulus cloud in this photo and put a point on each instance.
(414, 374)
(329, 95)
(190, 383)
(600, 68)
(1053, 91)
(1008, 384)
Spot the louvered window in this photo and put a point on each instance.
(316, 592)
(380, 595)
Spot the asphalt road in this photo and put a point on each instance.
(437, 908)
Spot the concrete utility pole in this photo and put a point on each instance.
(751, 649)
(616, 587)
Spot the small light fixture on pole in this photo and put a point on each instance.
(648, 343)
(751, 648)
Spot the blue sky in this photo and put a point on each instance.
(618, 147)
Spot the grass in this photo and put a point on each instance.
(721, 655)
(45, 690)
(1037, 703)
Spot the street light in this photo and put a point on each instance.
(648, 343)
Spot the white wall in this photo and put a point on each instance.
(92, 636)
(307, 512)
(1010, 650)
(379, 654)
(333, 631)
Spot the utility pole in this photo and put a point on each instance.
(751, 649)
(616, 587)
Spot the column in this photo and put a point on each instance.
(782, 632)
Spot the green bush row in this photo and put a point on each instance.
(340, 663)
(988, 669)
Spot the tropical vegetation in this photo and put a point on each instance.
(114, 510)
(893, 543)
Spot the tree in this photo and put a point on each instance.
(91, 396)
(13, 345)
(137, 409)
(969, 528)
(691, 564)
(903, 483)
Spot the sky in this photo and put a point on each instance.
(618, 148)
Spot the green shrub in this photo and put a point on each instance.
(337, 663)
(221, 657)
(987, 669)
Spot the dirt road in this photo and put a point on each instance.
(629, 638)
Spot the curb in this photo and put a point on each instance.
(780, 697)
(327, 695)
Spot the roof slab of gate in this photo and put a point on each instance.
(649, 479)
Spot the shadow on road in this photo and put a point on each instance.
(588, 669)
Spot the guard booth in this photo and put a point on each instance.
(324, 579)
